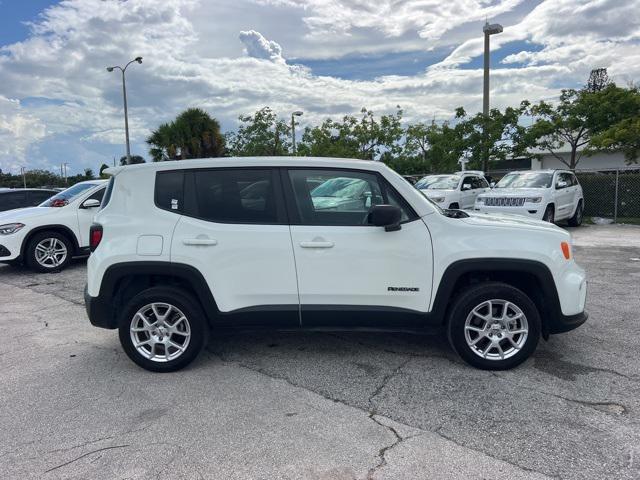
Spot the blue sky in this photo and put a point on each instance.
(326, 57)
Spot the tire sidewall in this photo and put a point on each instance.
(31, 251)
(189, 307)
(463, 305)
(576, 220)
(549, 214)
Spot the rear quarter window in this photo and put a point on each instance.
(107, 193)
(169, 190)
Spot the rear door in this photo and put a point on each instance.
(234, 230)
(351, 273)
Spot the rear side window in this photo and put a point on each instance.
(232, 196)
(169, 192)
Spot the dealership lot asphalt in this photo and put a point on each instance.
(322, 406)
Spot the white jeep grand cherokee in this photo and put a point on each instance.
(184, 248)
(550, 195)
(456, 191)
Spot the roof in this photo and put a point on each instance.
(543, 170)
(228, 162)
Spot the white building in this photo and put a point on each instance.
(602, 160)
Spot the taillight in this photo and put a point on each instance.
(95, 236)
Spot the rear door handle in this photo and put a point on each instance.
(316, 244)
(200, 241)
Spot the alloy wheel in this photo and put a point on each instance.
(496, 329)
(51, 252)
(160, 332)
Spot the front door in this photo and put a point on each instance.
(234, 231)
(351, 273)
(564, 194)
(467, 192)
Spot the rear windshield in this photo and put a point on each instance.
(526, 180)
(66, 196)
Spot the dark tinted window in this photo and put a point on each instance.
(169, 192)
(36, 198)
(479, 182)
(11, 200)
(107, 193)
(564, 177)
(96, 195)
(339, 197)
(232, 196)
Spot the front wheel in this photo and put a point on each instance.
(163, 329)
(549, 214)
(48, 252)
(494, 326)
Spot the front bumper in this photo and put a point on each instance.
(101, 314)
(566, 323)
(10, 246)
(528, 210)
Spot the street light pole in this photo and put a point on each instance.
(295, 114)
(488, 29)
(24, 178)
(124, 96)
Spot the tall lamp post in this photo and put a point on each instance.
(295, 114)
(488, 29)
(124, 94)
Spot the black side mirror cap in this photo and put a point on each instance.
(387, 216)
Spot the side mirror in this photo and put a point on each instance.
(90, 203)
(561, 184)
(466, 186)
(387, 216)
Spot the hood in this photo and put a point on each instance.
(22, 214)
(507, 220)
(514, 192)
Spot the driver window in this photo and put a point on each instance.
(336, 197)
(467, 181)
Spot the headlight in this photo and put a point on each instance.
(10, 228)
(480, 200)
(438, 199)
(533, 199)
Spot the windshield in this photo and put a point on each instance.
(526, 180)
(438, 182)
(66, 196)
(339, 187)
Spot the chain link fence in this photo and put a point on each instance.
(610, 195)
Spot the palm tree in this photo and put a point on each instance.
(193, 134)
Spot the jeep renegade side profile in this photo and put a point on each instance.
(181, 249)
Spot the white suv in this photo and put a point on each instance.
(550, 195)
(47, 236)
(454, 191)
(184, 248)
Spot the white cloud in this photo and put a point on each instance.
(257, 46)
(193, 57)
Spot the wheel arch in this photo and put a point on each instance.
(121, 282)
(61, 229)
(532, 277)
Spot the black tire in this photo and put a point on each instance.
(473, 297)
(30, 252)
(576, 220)
(191, 310)
(454, 206)
(549, 214)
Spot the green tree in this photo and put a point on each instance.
(430, 148)
(193, 134)
(363, 137)
(496, 136)
(260, 134)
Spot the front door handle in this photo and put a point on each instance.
(200, 241)
(316, 244)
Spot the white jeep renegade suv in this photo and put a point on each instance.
(184, 248)
(550, 195)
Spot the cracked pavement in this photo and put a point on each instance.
(322, 406)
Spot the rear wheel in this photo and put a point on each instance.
(549, 214)
(48, 252)
(494, 326)
(576, 220)
(163, 329)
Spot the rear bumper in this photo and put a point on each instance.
(566, 323)
(101, 314)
